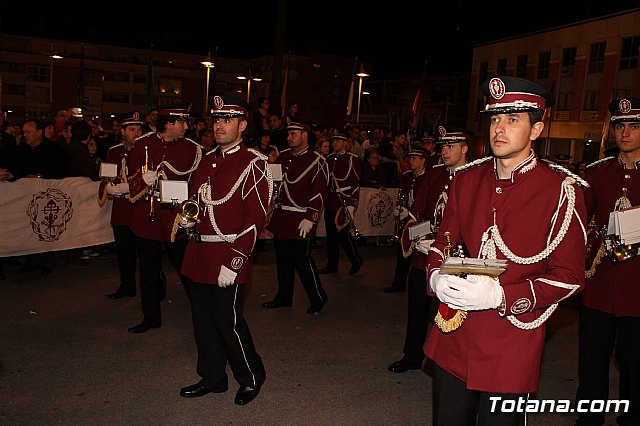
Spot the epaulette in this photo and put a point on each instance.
(472, 164)
(407, 172)
(438, 165)
(116, 146)
(560, 169)
(352, 154)
(600, 161)
(258, 154)
(144, 136)
(285, 150)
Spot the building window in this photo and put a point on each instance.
(14, 89)
(483, 73)
(120, 77)
(37, 74)
(521, 67)
(569, 56)
(564, 101)
(121, 98)
(544, 60)
(502, 66)
(629, 53)
(596, 57)
(590, 100)
(170, 88)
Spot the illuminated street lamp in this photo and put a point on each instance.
(362, 74)
(248, 77)
(54, 57)
(208, 65)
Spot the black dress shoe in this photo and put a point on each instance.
(315, 310)
(274, 304)
(246, 394)
(200, 389)
(326, 270)
(403, 366)
(393, 289)
(142, 327)
(355, 267)
(120, 294)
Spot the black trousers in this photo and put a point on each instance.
(336, 239)
(127, 259)
(601, 335)
(222, 335)
(292, 256)
(418, 319)
(402, 270)
(150, 255)
(455, 405)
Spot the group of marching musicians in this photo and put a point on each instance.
(489, 332)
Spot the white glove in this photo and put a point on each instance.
(423, 246)
(119, 189)
(150, 177)
(475, 293)
(305, 227)
(184, 223)
(352, 211)
(402, 212)
(437, 283)
(226, 277)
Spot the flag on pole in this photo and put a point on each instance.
(283, 94)
(417, 108)
(150, 100)
(350, 100)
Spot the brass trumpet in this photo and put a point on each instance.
(599, 244)
(148, 164)
(188, 210)
(347, 215)
(397, 222)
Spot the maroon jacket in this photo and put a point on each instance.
(121, 209)
(345, 169)
(614, 287)
(234, 190)
(301, 194)
(430, 193)
(183, 156)
(488, 352)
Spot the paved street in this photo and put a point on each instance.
(66, 357)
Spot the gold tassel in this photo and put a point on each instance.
(447, 326)
(591, 272)
(174, 229)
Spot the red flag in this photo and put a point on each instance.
(417, 108)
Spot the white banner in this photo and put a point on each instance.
(374, 215)
(42, 215)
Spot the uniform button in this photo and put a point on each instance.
(498, 190)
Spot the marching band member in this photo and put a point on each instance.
(343, 194)
(164, 154)
(610, 313)
(430, 202)
(300, 200)
(121, 208)
(233, 188)
(410, 181)
(511, 207)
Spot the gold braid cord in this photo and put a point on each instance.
(447, 326)
(591, 272)
(174, 228)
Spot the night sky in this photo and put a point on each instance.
(395, 36)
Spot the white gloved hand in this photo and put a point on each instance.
(437, 283)
(305, 227)
(475, 293)
(352, 211)
(185, 223)
(226, 277)
(423, 246)
(119, 189)
(150, 177)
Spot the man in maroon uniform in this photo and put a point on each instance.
(122, 209)
(430, 202)
(233, 187)
(532, 215)
(610, 312)
(165, 155)
(410, 181)
(344, 192)
(300, 200)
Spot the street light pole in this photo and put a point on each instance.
(362, 75)
(207, 64)
(248, 77)
(53, 57)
